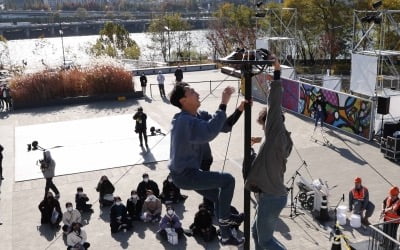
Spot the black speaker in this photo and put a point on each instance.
(389, 128)
(383, 105)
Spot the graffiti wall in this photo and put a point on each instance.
(349, 113)
(346, 112)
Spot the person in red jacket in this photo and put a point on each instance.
(391, 215)
(359, 201)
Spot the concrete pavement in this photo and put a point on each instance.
(337, 164)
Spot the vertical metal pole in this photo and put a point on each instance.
(62, 44)
(210, 87)
(247, 68)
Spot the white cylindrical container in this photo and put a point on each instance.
(355, 221)
(341, 210)
(341, 218)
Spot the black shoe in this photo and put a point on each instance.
(233, 220)
(141, 145)
(2, 178)
(232, 241)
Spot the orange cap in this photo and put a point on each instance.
(357, 180)
(394, 191)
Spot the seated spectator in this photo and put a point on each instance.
(134, 206)
(76, 239)
(202, 225)
(70, 216)
(50, 210)
(145, 185)
(170, 221)
(106, 190)
(119, 216)
(170, 192)
(152, 208)
(81, 200)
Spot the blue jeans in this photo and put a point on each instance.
(268, 209)
(319, 115)
(215, 186)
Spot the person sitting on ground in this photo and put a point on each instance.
(76, 239)
(106, 190)
(134, 206)
(81, 200)
(152, 208)
(119, 216)
(170, 221)
(70, 216)
(359, 201)
(49, 208)
(170, 192)
(202, 225)
(145, 185)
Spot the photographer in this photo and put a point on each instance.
(141, 127)
(48, 165)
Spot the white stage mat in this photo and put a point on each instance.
(86, 145)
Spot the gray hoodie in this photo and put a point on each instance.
(48, 172)
(267, 171)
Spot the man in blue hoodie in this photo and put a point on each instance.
(189, 133)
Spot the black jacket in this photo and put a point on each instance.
(143, 187)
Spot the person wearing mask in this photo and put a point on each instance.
(170, 192)
(170, 222)
(145, 185)
(391, 215)
(265, 177)
(50, 210)
(81, 200)
(178, 74)
(189, 134)
(106, 190)
(119, 216)
(161, 80)
(134, 206)
(143, 83)
(70, 216)
(77, 238)
(140, 126)
(152, 208)
(359, 201)
(48, 165)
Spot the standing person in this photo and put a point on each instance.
(7, 98)
(48, 165)
(188, 135)
(359, 201)
(1, 162)
(178, 74)
(143, 83)
(319, 107)
(391, 213)
(160, 80)
(141, 127)
(266, 175)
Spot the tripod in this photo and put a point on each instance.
(293, 200)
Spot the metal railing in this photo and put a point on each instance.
(209, 82)
(380, 237)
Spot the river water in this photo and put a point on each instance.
(47, 52)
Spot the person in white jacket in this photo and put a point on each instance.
(70, 216)
(76, 239)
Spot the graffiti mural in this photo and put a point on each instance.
(343, 111)
(290, 95)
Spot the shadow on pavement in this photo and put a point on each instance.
(122, 238)
(47, 231)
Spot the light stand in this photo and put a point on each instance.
(293, 199)
(62, 44)
(247, 59)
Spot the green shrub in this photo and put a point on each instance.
(46, 86)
